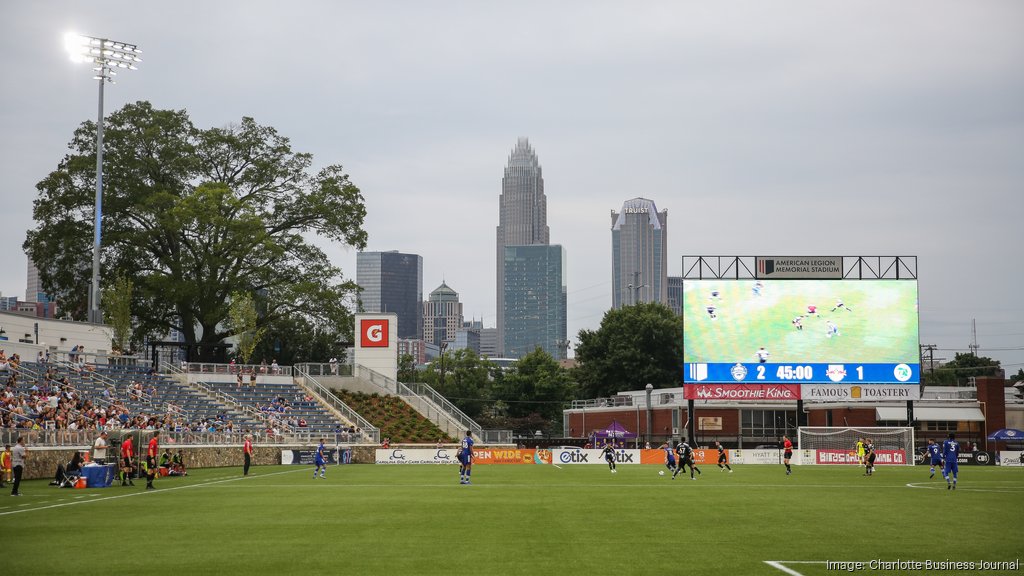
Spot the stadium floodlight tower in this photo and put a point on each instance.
(107, 56)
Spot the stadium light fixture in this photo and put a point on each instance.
(105, 55)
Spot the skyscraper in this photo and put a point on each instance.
(442, 315)
(522, 217)
(34, 286)
(639, 254)
(535, 300)
(393, 282)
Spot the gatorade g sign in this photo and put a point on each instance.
(373, 333)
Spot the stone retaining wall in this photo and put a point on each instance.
(42, 462)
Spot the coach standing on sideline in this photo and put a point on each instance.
(247, 454)
(18, 462)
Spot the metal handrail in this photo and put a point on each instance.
(371, 432)
(325, 368)
(219, 368)
(441, 404)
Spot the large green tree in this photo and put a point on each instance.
(634, 346)
(192, 215)
(536, 384)
(963, 366)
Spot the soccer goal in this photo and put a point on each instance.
(838, 445)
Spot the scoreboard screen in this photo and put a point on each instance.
(800, 331)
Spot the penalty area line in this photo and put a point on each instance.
(779, 565)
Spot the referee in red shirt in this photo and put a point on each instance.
(247, 454)
(151, 454)
(127, 453)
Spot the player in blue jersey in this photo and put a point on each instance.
(950, 452)
(934, 452)
(321, 460)
(831, 329)
(670, 458)
(465, 457)
(758, 286)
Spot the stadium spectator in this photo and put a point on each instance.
(334, 365)
(18, 456)
(274, 367)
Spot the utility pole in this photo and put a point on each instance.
(928, 351)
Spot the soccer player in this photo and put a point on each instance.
(151, 454)
(609, 456)
(934, 452)
(685, 453)
(320, 460)
(798, 322)
(5, 465)
(831, 329)
(758, 286)
(465, 457)
(711, 311)
(670, 458)
(839, 304)
(812, 310)
(762, 355)
(787, 453)
(715, 295)
(247, 454)
(860, 451)
(127, 453)
(869, 457)
(723, 463)
(950, 452)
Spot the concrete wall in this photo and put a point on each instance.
(95, 337)
(42, 462)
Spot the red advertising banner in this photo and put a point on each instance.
(848, 457)
(700, 456)
(742, 391)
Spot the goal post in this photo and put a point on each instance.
(838, 444)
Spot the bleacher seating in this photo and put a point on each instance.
(286, 402)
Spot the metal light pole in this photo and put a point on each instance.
(649, 388)
(106, 55)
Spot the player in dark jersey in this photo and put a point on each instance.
(869, 457)
(609, 456)
(933, 452)
(723, 463)
(685, 454)
(787, 453)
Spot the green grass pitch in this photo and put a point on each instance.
(529, 520)
(878, 323)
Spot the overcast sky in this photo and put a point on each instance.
(781, 128)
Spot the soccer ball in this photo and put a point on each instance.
(661, 472)
(613, 471)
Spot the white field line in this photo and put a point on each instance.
(939, 486)
(147, 492)
(778, 565)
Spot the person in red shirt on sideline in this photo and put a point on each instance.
(151, 455)
(127, 453)
(247, 454)
(787, 453)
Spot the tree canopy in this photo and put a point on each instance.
(960, 368)
(634, 346)
(192, 215)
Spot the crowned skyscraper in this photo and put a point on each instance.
(522, 221)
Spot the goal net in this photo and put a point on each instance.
(838, 445)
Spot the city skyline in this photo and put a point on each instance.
(791, 128)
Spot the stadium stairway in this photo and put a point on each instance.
(424, 399)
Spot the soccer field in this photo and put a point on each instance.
(530, 520)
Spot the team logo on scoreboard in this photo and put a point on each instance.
(698, 372)
(739, 372)
(902, 372)
(836, 372)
